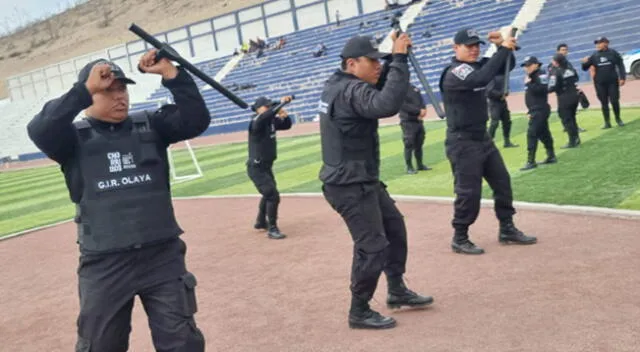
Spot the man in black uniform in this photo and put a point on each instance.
(262, 154)
(411, 114)
(117, 172)
(608, 80)
(537, 101)
(499, 110)
(563, 49)
(350, 107)
(563, 81)
(469, 148)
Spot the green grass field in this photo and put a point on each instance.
(603, 172)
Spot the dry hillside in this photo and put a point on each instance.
(98, 24)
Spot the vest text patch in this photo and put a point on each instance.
(122, 182)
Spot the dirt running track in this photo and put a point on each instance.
(573, 291)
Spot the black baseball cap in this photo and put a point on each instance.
(262, 101)
(467, 36)
(362, 46)
(117, 71)
(601, 40)
(530, 60)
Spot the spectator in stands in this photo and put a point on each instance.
(262, 154)
(391, 4)
(281, 43)
(379, 37)
(469, 148)
(116, 169)
(337, 18)
(412, 114)
(610, 75)
(350, 108)
(320, 50)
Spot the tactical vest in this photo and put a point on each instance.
(349, 146)
(126, 200)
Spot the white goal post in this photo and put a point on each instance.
(174, 176)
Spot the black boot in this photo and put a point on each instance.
(551, 158)
(510, 234)
(399, 295)
(619, 122)
(461, 243)
(361, 316)
(421, 165)
(508, 144)
(574, 141)
(274, 233)
(261, 219)
(531, 161)
(407, 160)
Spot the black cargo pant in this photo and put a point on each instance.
(539, 131)
(413, 135)
(378, 231)
(472, 158)
(609, 92)
(108, 284)
(261, 175)
(567, 108)
(500, 113)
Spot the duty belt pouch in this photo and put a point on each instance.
(148, 138)
(584, 101)
(190, 284)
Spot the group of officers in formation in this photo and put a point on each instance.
(129, 238)
(559, 77)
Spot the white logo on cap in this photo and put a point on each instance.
(527, 58)
(374, 44)
(472, 33)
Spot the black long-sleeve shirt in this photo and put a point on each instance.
(462, 85)
(262, 136)
(53, 132)
(537, 92)
(606, 62)
(349, 112)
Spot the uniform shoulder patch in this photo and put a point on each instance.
(462, 71)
